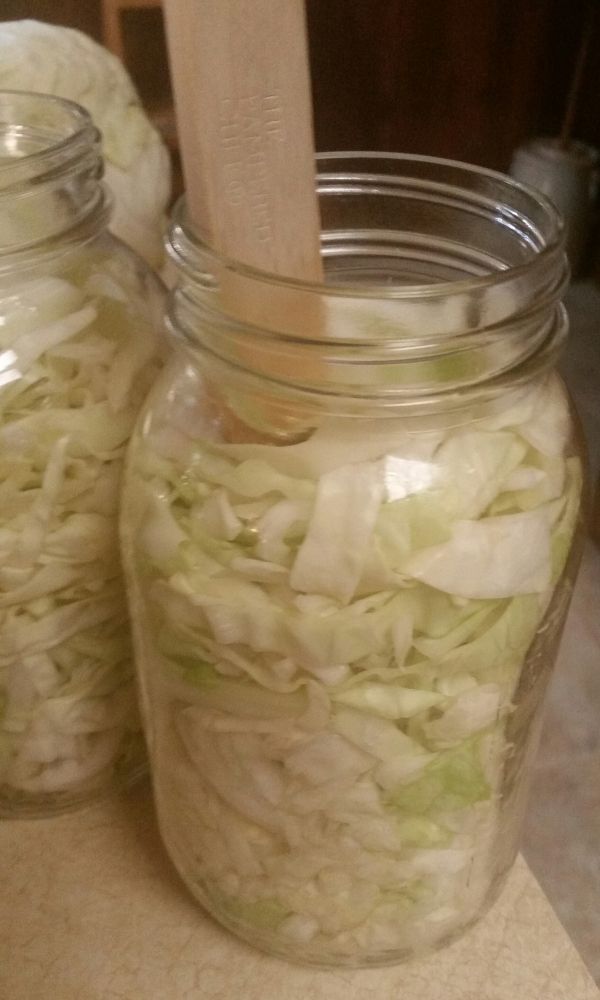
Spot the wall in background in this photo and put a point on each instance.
(82, 14)
(463, 79)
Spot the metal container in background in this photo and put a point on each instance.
(568, 175)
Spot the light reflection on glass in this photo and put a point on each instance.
(8, 373)
(7, 358)
(405, 476)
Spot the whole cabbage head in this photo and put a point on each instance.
(52, 59)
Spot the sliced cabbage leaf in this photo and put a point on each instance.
(391, 701)
(454, 779)
(470, 712)
(492, 558)
(346, 507)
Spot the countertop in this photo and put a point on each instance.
(561, 839)
(90, 909)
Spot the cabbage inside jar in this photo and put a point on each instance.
(348, 528)
(78, 356)
(79, 349)
(332, 635)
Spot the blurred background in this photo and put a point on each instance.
(471, 81)
(444, 77)
(455, 78)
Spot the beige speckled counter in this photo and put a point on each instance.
(90, 909)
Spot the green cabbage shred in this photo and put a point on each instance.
(331, 634)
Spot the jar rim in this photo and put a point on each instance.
(382, 336)
(51, 163)
(82, 128)
(186, 243)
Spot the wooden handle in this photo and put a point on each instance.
(243, 102)
(242, 94)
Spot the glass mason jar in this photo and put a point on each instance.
(348, 524)
(79, 317)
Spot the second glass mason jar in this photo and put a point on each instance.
(350, 530)
(79, 315)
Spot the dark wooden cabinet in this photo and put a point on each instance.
(469, 80)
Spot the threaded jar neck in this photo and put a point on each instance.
(51, 196)
(439, 276)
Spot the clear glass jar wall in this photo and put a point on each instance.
(350, 526)
(79, 315)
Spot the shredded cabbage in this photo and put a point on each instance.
(75, 362)
(330, 636)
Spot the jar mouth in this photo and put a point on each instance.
(531, 217)
(39, 132)
(438, 276)
(50, 173)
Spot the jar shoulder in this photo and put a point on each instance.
(105, 269)
(541, 414)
